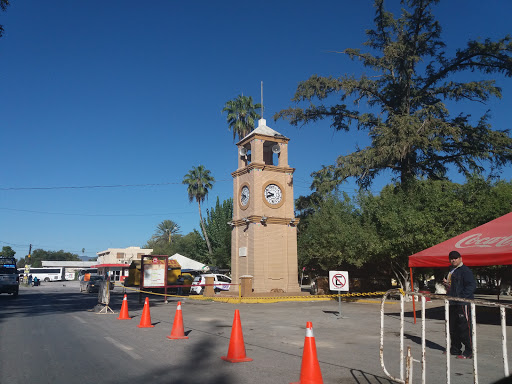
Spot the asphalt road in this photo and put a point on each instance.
(52, 334)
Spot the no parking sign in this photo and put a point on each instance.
(338, 281)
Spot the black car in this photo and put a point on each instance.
(9, 278)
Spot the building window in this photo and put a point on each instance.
(120, 255)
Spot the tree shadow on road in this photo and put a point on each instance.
(193, 370)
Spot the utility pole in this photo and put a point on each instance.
(27, 265)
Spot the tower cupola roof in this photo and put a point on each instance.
(263, 130)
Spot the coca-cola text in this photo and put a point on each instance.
(477, 241)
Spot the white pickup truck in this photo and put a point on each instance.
(9, 278)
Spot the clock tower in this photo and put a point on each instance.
(264, 235)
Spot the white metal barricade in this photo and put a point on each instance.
(410, 360)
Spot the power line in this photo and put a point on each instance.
(16, 245)
(297, 180)
(39, 246)
(97, 214)
(94, 186)
(85, 186)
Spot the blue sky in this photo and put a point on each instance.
(102, 93)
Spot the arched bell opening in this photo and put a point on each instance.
(244, 153)
(271, 152)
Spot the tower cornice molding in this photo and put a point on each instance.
(275, 139)
(261, 167)
(255, 219)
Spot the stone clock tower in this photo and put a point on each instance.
(264, 235)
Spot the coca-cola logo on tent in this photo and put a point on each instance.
(477, 241)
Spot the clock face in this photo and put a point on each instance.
(244, 195)
(273, 194)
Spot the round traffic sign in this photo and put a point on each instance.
(339, 280)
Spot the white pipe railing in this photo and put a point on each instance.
(409, 359)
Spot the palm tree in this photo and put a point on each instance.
(241, 115)
(165, 230)
(199, 182)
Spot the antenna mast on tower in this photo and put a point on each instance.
(262, 99)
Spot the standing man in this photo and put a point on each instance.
(460, 283)
(180, 282)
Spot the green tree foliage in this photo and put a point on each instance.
(241, 115)
(409, 81)
(427, 213)
(40, 255)
(159, 248)
(409, 220)
(191, 245)
(382, 230)
(485, 200)
(219, 232)
(334, 235)
(3, 6)
(165, 231)
(199, 182)
(7, 252)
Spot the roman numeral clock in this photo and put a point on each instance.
(264, 232)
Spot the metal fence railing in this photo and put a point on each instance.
(409, 360)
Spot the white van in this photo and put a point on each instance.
(221, 283)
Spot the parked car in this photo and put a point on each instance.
(221, 283)
(93, 284)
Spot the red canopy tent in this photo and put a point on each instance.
(488, 244)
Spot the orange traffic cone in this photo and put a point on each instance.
(310, 369)
(177, 331)
(236, 351)
(145, 320)
(123, 315)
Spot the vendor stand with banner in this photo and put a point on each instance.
(135, 276)
(153, 273)
(156, 272)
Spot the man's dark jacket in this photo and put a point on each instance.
(463, 284)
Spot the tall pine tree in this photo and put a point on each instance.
(409, 83)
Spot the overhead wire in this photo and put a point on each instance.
(94, 186)
(97, 214)
(299, 181)
(48, 247)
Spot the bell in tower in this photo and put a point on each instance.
(264, 235)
